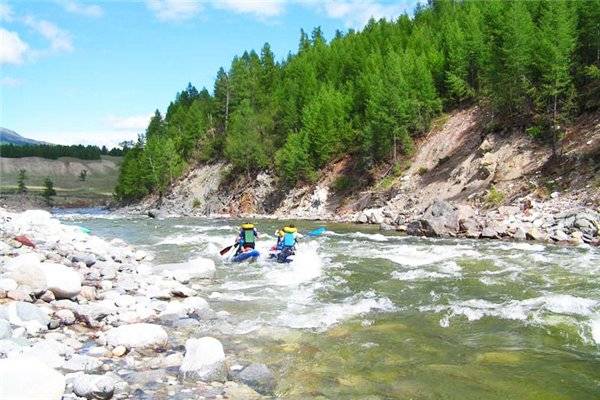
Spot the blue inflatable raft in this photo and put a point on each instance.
(247, 256)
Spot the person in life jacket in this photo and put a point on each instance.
(287, 242)
(247, 238)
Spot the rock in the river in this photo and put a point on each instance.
(29, 378)
(26, 315)
(62, 281)
(82, 363)
(138, 335)
(439, 219)
(237, 391)
(99, 387)
(259, 377)
(204, 360)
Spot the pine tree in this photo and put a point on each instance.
(21, 188)
(556, 42)
(48, 193)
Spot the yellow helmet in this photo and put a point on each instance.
(247, 225)
(290, 229)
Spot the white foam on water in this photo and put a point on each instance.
(419, 274)
(595, 328)
(529, 309)
(320, 317)
(182, 239)
(377, 237)
(522, 246)
(307, 266)
(420, 255)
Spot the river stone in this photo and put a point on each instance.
(30, 275)
(99, 387)
(19, 295)
(29, 378)
(26, 315)
(62, 281)
(237, 391)
(138, 335)
(204, 360)
(259, 377)
(82, 363)
(22, 260)
(87, 259)
(5, 329)
(8, 284)
(439, 219)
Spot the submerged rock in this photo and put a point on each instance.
(259, 377)
(204, 360)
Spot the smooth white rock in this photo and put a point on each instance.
(137, 335)
(29, 378)
(204, 360)
(62, 281)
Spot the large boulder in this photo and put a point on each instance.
(99, 387)
(259, 377)
(138, 336)
(29, 378)
(439, 219)
(63, 281)
(204, 360)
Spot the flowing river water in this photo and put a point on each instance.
(365, 315)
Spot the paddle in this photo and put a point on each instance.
(226, 249)
(317, 232)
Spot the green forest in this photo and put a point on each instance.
(533, 65)
(54, 151)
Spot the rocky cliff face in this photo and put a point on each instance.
(460, 181)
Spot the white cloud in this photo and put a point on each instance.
(139, 123)
(13, 50)
(356, 13)
(174, 10)
(259, 8)
(11, 82)
(60, 40)
(6, 13)
(88, 10)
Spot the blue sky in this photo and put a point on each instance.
(92, 72)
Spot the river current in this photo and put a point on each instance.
(363, 314)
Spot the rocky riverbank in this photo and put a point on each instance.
(82, 317)
(559, 220)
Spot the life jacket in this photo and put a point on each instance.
(248, 233)
(289, 236)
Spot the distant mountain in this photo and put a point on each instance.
(11, 137)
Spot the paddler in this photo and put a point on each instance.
(287, 242)
(247, 238)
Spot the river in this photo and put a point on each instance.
(370, 315)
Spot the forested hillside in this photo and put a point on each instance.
(530, 64)
(54, 151)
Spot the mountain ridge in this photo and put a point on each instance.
(8, 136)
